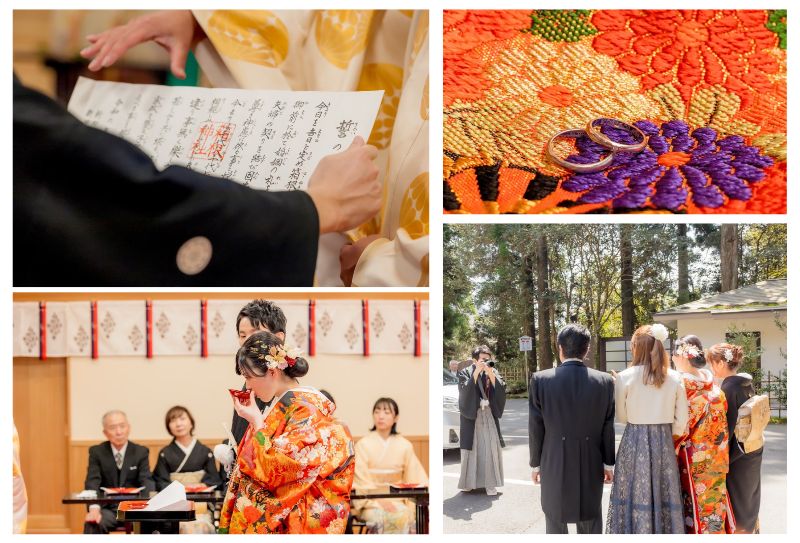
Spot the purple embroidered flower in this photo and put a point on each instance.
(674, 166)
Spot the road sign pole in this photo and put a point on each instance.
(527, 373)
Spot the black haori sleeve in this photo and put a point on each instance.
(536, 427)
(497, 397)
(468, 394)
(608, 424)
(91, 209)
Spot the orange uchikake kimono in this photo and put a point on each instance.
(295, 474)
(703, 459)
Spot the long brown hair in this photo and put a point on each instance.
(649, 353)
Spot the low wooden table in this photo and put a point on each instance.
(103, 499)
(139, 521)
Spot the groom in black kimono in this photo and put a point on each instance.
(571, 432)
(91, 209)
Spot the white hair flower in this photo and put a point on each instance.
(659, 331)
(729, 355)
(687, 350)
(275, 356)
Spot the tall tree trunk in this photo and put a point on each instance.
(545, 353)
(729, 257)
(683, 265)
(626, 283)
(530, 299)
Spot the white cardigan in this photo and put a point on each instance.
(637, 403)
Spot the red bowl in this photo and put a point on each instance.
(242, 395)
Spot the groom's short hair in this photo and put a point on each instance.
(263, 314)
(574, 341)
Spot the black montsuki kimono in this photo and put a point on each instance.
(171, 456)
(91, 209)
(571, 431)
(744, 471)
(469, 401)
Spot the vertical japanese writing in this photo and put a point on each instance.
(152, 112)
(132, 113)
(287, 138)
(166, 126)
(273, 177)
(236, 155)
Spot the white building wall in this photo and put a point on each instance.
(711, 329)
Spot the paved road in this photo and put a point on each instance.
(516, 509)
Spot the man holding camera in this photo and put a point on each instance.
(481, 400)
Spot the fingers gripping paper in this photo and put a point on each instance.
(269, 140)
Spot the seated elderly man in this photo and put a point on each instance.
(117, 462)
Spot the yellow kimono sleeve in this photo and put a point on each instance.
(413, 472)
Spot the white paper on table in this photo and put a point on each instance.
(172, 497)
(87, 494)
(265, 139)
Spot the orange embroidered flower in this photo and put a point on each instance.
(326, 517)
(539, 88)
(692, 48)
(251, 514)
(469, 37)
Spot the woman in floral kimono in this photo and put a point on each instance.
(703, 448)
(385, 457)
(295, 464)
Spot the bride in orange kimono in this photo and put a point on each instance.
(295, 464)
(703, 449)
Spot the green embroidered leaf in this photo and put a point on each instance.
(260, 438)
(777, 23)
(569, 25)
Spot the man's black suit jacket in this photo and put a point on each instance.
(103, 470)
(571, 432)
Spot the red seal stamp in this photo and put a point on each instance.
(212, 140)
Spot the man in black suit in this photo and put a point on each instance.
(571, 432)
(91, 209)
(115, 463)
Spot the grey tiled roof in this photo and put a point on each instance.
(765, 295)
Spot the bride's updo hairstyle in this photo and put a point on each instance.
(691, 348)
(649, 353)
(264, 351)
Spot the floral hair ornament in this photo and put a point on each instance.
(659, 331)
(729, 355)
(276, 356)
(687, 350)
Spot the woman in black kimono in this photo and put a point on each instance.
(481, 400)
(185, 457)
(744, 470)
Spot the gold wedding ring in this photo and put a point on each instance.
(576, 133)
(594, 131)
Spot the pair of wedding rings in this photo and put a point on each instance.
(594, 131)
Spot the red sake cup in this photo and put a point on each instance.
(242, 395)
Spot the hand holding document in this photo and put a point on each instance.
(265, 139)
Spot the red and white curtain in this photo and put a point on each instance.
(208, 327)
